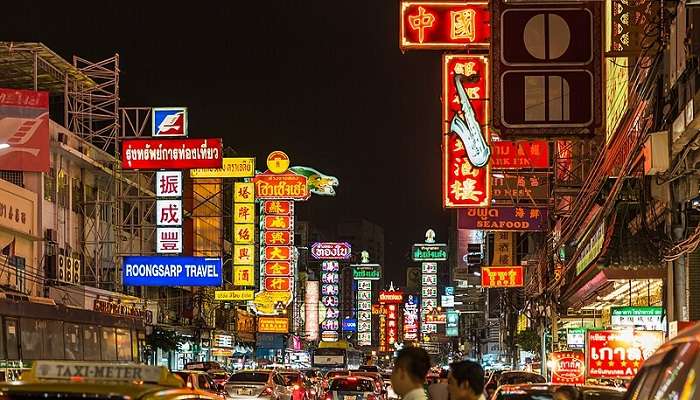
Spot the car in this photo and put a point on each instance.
(351, 388)
(257, 384)
(546, 392)
(219, 376)
(519, 377)
(199, 380)
(96, 380)
(671, 372)
(368, 368)
(202, 366)
(299, 385)
(331, 374)
(378, 381)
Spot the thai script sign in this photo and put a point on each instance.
(444, 25)
(276, 186)
(171, 153)
(592, 249)
(568, 368)
(363, 273)
(651, 318)
(504, 218)
(386, 296)
(520, 154)
(502, 277)
(233, 295)
(127, 310)
(331, 251)
(619, 354)
(231, 167)
(429, 252)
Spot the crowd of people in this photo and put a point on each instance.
(465, 379)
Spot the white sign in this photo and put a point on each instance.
(429, 328)
(168, 184)
(429, 280)
(448, 301)
(429, 292)
(364, 315)
(168, 212)
(67, 370)
(168, 240)
(364, 285)
(429, 268)
(429, 303)
(364, 305)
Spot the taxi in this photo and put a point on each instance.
(73, 380)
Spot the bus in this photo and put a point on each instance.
(337, 355)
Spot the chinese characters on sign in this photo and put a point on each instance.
(502, 277)
(243, 234)
(364, 302)
(527, 187)
(444, 25)
(520, 154)
(168, 212)
(466, 136)
(504, 218)
(503, 248)
(273, 325)
(330, 299)
(390, 300)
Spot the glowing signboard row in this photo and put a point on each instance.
(330, 298)
(243, 234)
(168, 212)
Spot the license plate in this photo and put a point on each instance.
(245, 392)
(349, 397)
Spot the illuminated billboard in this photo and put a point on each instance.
(24, 130)
(444, 25)
(231, 167)
(152, 154)
(171, 271)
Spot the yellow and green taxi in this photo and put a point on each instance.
(68, 380)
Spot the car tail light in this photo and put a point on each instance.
(372, 397)
(296, 387)
(266, 392)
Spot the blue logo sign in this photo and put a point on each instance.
(171, 271)
(350, 325)
(169, 121)
(449, 290)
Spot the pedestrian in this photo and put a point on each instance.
(410, 368)
(438, 390)
(566, 393)
(466, 381)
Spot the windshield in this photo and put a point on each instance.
(258, 377)
(351, 385)
(292, 377)
(513, 379)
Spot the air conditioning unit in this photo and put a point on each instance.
(656, 154)
(52, 235)
(69, 270)
(76, 271)
(61, 269)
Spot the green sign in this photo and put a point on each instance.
(429, 252)
(637, 311)
(591, 251)
(365, 273)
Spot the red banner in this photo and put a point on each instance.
(24, 130)
(278, 207)
(278, 222)
(569, 368)
(520, 154)
(279, 268)
(275, 253)
(278, 284)
(502, 277)
(283, 238)
(465, 88)
(444, 25)
(281, 186)
(171, 153)
(618, 354)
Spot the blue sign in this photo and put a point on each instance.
(449, 290)
(350, 325)
(172, 271)
(270, 341)
(169, 121)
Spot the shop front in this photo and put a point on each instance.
(243, 352)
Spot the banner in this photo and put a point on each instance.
(152, 154)
(231, 167)
(504, 218)
(24, 130)
(171, 271)
(502, 277)
(618, 354)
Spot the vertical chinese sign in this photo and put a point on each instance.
(243, 234)
(330, 299)
(390, 302)
(277, 189)
(364, 273)
(466, 139)
(169, 212)
(428, 254)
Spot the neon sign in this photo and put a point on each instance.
(444, 25)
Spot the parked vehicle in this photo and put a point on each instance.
(257, 384)
(351, 388)
(220, 377)
(199, 380)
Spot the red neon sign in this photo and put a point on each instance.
(278, 268)
(278, 222)
(569, 368)
(276, 253)
(171, 153)
(283, 238)
(464, 185)
(278, 207)
(502, 277)
(444, 25)
(619, 354)
(521, 154)
(278, 284)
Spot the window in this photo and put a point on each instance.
(203, 382)
(91, 343)
(14, 177)
(73, 341)
(53, 340)
(77, 196)
(62, 189)
(123, 345)
(32, 344)
(109, 343)
(50, 185)
(249, 377)
(12, 338)
(20, 272)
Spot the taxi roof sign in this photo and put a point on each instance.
(66, 370)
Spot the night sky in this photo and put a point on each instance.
(324, 81)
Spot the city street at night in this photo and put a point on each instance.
(366, 200)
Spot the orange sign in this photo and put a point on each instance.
(278, 222)
(274, 253)
(283, 186)
(278, 207)
(278, 238)
(273, 325)
(283, 268)
(502, 277)
(278, 284)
